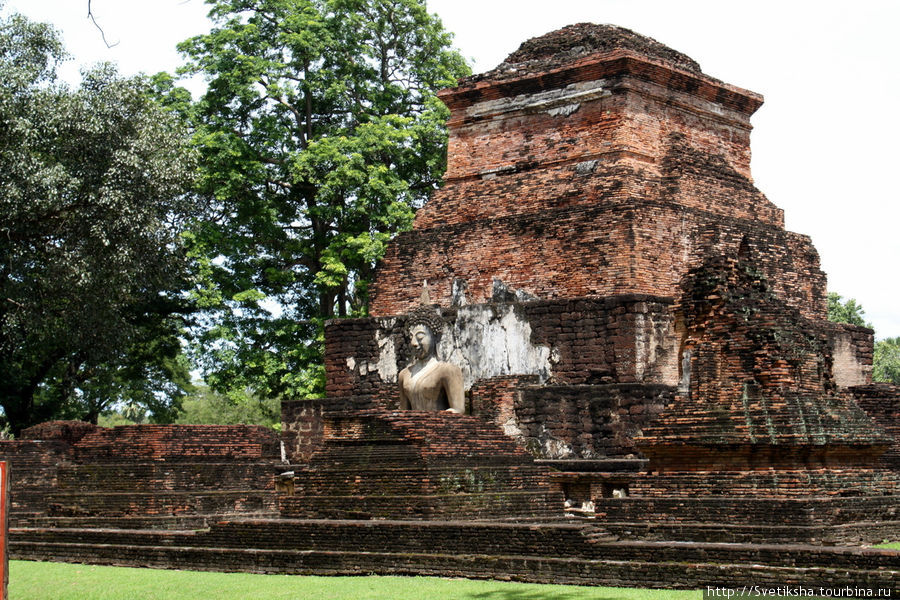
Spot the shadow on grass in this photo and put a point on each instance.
(541, 595)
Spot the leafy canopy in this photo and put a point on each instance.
(319, 135)
(92, 202)
(205, 406)
(886, 361)
(845, 312)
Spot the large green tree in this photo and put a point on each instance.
(320, 133)
(92, 272)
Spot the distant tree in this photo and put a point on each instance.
(845, 312)
(886, 361)
(320, 132)
(92, 205)
(207, 406)
(148, 379)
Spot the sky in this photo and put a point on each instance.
(825, 144)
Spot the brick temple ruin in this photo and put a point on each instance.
(654, 394)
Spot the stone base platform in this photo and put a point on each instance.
(140, 476)
(377, 464)
(573, 553)
(862, 520)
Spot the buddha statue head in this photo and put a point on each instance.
(423, 327)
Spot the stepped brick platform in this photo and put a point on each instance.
(860, 520)
(881, 401)
(425, 465)
(151, 475)
(544, 553)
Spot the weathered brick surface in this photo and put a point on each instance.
(178, 443)
(758, 412)
(587, 421)
(546, 254)
(534, 552)
(494, 399)
(617, 339)
(303, 423)
(352, 354)
(153, 472)
(69, 432)
(33, 467)
(418, 465)
(881, 401)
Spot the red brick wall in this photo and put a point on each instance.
(589, 421)
(619, 193)
(178, 443)
(645, 248)
(881, 401)
(594, 340)
(153, 471)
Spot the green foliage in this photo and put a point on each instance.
(114, 418)
(319, 134)
(92, 202)
(845, 312)
(886, 356)
(886, 361)
(207, 406)
(61, 581)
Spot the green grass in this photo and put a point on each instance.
(893, 545)
(60, 581)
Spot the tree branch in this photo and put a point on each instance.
(100, 29)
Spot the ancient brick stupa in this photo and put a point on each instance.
(620, 297)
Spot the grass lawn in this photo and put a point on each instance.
(60, 581)
(894, 545)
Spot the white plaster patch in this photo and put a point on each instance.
(554, 448)
(586, 167)
(847, 368)
(563, 111)
(511, 428)
(386, 367)
(655, 357)
(387, 357)
(570, 96)
(640, 348)
(489, 341)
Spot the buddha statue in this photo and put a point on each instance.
(427, 383)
